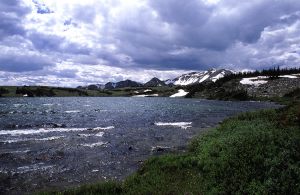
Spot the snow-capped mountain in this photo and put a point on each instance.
(186, 79)
(199, 77)
(154, 82)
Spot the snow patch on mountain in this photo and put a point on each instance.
(200, 77)
(256, 81)
(181, 93)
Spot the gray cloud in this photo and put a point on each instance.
(148, 35)
(11, 14)
(18, 62)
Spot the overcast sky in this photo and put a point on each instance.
(77, 42)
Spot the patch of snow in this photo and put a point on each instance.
(204, 78)
(215, 78)
(169, 81)
(25, 95)
(289, 76)
(181, 93)
(182, 125)
(136, 92)
(256, 81)
(147, 90)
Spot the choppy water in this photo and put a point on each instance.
(51, 143)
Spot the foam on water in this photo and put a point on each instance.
(49, 130)
(33, 139)
(100, 134)
(92, 145)
(72, 111)
(104, 128)
(48, 104)
(34, 167)
(182, 125)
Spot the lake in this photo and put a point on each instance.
(53, 143)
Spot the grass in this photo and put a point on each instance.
(252, 153)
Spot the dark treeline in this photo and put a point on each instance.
(272, 73)
(39, 91)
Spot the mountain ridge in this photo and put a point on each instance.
(191, 78)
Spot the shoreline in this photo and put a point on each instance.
(119, 187)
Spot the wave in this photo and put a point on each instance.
(92, 145)
(48, 104)
(72, 111)
(182, 125)
(100, 134)
(33, 139)
(49, 130)
(104, 128)
(34, 167)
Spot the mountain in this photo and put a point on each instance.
(128, 83)
(122, 84)
(92, 87)
(186, 79)
(198, 77)
(154, 82)
(110, 85)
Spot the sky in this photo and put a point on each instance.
(80, 42)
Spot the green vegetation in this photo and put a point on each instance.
(252, 153)
(226, 91)
(45, 91)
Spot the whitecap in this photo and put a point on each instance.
(20, 151)
(104, 128)
(48, 104)
(34, 167)
(182, 125)
(33, 139)
(100, 134)
(49, 130)
(72, 111)
(17, 105)
(38, 131)
(92, 145)
(85, 135)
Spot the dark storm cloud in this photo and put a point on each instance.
(216, 27)
(207, 29)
